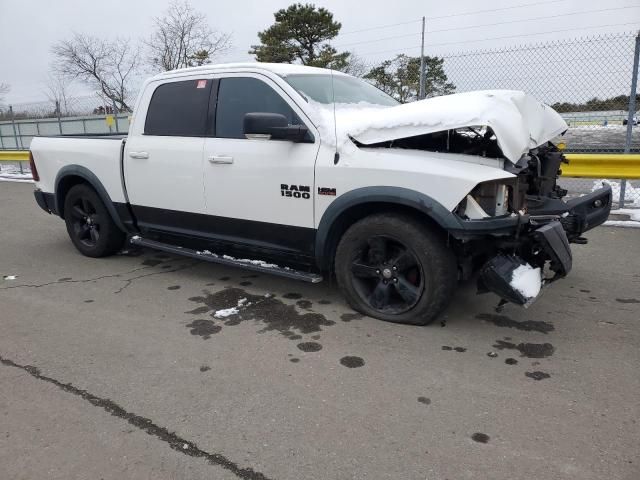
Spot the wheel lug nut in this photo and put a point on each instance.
(377, 272)
(395, 268)
(395, 280)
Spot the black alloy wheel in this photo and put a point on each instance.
(89, 223)
(387, 275)
(86, 222)
(396, 267)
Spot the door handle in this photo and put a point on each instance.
(140, 155)
(220, 159)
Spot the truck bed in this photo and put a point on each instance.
(97, 155)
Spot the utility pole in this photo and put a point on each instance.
(421, 91)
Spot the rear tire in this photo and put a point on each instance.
(394, 268)
(89, 224)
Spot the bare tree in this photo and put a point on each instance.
(356, 66)
(183, 38)
(57, 90)
(4, 89)
(110, 66)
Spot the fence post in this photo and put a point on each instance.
(58, 115)
(115, 115)
(632, 112)
(13, 124)
(15, 133)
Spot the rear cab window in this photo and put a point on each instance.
(179, 109)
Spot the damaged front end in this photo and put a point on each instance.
(517, 233)
(518, 274)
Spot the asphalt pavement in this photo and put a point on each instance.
(115, 368)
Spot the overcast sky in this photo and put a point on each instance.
(28, 28)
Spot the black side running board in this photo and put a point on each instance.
(207, 256)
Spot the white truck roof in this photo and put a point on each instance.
(281, 69)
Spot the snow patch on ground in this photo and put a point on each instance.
(11, 173)
(631, 193)
(526, 280)
(9, 277)
(622, 223)
(227, 312)
(633, 213)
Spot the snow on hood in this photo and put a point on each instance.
(519, 121)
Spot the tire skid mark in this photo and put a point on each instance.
(175, 442)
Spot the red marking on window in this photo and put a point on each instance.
(202, 84)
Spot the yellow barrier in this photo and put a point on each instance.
(605, 165)
(581, 165)
(14, 156)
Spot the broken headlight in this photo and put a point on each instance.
(489, 199)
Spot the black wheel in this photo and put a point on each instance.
(89, 224)
(394, 268)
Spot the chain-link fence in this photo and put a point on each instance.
(90, 114)
(587, 80)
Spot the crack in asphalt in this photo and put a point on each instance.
(175, 442)
(86, 280)
(129, 281)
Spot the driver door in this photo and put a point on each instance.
(258, 191)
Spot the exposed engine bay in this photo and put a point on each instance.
(544, 221)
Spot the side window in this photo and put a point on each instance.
(179, 109)
(237, 96)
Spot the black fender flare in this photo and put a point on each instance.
(378, 194)
(89, 177)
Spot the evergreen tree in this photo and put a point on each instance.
(300, 34)
(400, 77)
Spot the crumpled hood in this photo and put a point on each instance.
(519, 121)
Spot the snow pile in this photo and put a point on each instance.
(9, 277)
(622, 223)
(631, 193)
(634, 214)
(259, 263)
(11, 173)
(526, 280)
(519, 121)
(227, 312)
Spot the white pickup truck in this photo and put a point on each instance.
(305, 172)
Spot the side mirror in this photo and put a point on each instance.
(273, 126)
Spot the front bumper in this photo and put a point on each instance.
(539, 239)
(580, 214)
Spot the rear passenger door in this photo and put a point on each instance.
(163, 155)
(259, 190)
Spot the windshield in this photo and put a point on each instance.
(347, 90)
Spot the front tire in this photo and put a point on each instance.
(395, 268)
(89, 224)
